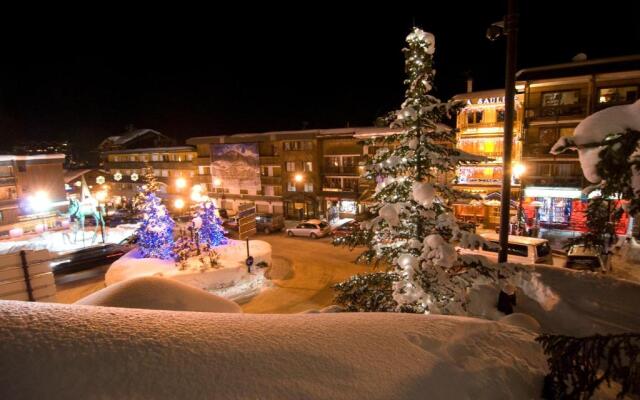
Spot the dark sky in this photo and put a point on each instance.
(204, 71)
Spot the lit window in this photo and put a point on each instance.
(291, 166)
(291, 187)
(308, 187)
(308, 166)
(617, 95)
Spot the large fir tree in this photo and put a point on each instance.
(413, 228)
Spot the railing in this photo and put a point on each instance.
(270, 180)
(545, 113)
(343, 169)
(264, 160)
(467, 125)
(7, 181)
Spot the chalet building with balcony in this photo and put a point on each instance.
(480, 127)
(127, 157)
(298, 174)
(556, 99)
(21, 178)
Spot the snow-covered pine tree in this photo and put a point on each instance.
(608, 143)
(155, 234)
(151, 185)
(414, 229)
(207, 224)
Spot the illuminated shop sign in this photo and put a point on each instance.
(565, 193)
(486, 100)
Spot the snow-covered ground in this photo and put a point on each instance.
(229, 279)
(156, 293)
(72, 351)
(61, 241)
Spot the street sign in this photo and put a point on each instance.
(246, 220)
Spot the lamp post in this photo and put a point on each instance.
(508, 27)
(518, 171)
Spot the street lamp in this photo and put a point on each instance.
(181, 183)
(509, 28)
(178, 204)
(298, 178)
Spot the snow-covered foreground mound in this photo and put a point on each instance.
(156, 293)
(63, 240)
(70, 351)
(232, 271)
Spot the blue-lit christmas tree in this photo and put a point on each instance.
(155, 234)
(208, 225)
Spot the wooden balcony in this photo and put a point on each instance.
(270, 160)
(7, 181)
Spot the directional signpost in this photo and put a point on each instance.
(247, 227)
(246, 220)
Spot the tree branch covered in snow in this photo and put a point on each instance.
(413, 228)
(579, 366)
(608, 147)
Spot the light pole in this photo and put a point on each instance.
(508, 27)
(519, 170)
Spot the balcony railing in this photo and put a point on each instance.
(342, 169)
(7, 181)
(270, 180)
(467, 125)
(546, 113)
(266, 160)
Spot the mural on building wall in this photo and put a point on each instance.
(237, 166)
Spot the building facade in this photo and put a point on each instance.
(556, 99)
(480, 132)
(126, 158)
(298, 174)
(25, 177)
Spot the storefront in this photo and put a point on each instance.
(341, 208)
(560, 208)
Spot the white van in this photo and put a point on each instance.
(521, 249)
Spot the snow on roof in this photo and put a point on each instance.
(84, 351)
(127, 137)
(603, 65)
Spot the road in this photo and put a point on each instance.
(302, 274)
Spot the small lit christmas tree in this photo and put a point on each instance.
(155, 234)
(208, 225)
(151, 185)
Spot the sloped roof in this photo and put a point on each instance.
(128, 137)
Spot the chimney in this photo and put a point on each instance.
(469, 84)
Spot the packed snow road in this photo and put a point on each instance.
(303, 272)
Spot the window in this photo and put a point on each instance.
(155, 157)
(617, 95)
(500, 115)
(189, 156)
(564, 98)
(165, 173)
(291, 187)
(286, 146)
(264, 171)
(308, 166)
(277, 190)
(277, 171)
(204, 170)
(548, 136)
(350, 185)
(332, 164)
(543, 249)
(308, 187)
(474, 116)
(291, 166)
(244, 191)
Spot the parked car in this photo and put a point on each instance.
(585, 259)
(268, 223)
(312, 228)
(92, 256)
(344, 229)
(520, 249)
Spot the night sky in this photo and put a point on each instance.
(205, 72)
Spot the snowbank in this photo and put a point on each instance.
(232, 272)
(581, 303)
(62, 241)
(156, 293)
(70, 351)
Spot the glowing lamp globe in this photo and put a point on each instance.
(179, 203)
(298, 178)
(100, 180)
(181, 183)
